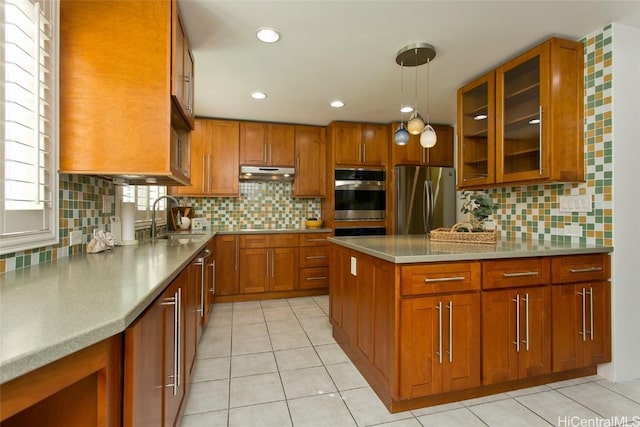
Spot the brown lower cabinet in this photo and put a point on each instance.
(270, 265)
(437, 332)
(159, 354)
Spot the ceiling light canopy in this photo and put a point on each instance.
(267, 35)
(337, 104)
(258, 95)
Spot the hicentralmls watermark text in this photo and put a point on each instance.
(575, 421)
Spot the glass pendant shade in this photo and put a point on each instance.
(428, 137)
(415, 124)
(401, 136)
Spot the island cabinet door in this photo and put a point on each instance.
(516, 334)
(581, 325)
(439, 344)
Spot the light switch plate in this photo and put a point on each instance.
(580, 203)
(353, 265)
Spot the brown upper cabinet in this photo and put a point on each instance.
(214, 160)
(310, 151)
(267, 144)
(359, 144)
(523, 122)
(414, 154)
(117, 118)
(182, 69)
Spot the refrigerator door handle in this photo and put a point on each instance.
(428, 213)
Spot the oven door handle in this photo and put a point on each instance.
(359, 186)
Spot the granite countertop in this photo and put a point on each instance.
(404, 249)
(54, 309)
(270, 230)
(51, 310)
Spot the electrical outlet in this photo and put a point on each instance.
(575, 203)
(573, 230)
(76, 237)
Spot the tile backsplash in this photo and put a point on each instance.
(532, 212)
(261, 205)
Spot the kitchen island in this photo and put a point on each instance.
(434, 322)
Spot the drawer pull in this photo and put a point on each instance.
(317, 257)
(585, 270)
(522, 274)
(444, 279)
(317, 278)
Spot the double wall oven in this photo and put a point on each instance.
(360, 195)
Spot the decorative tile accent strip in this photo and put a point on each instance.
(532, 212)
(260, 205)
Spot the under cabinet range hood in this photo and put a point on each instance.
(266, 173)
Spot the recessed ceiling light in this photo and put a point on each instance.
(337, 104)
(406, 109)
(267, 35)
(258, 95)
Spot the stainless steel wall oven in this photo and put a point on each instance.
(360, 195)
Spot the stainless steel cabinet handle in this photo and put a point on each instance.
(540, 141)
(317, 257)
(273, 263)
(439, 308)
(213, 277)
(450, 307)
(174, 301)
(209, 172)
(591, 313)
(443, 279)
(179, 337)
(521, 274)
(364, 153)
(517, 341)
(204, 171)
(235, 267)
(526, 317)
(202, 268)
(583, 294)
(316, 278)
(585, 270)
(267, 264)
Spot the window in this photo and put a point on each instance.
(29, 120)
(144, 196)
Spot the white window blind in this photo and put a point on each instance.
(144, 196)
(28, 75)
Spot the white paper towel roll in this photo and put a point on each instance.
(128, 218)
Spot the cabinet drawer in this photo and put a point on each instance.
(314, 239)
(313, 278)
(268, 240)
(436, 278)
(511, 273)
(283, 240)
(314, 256)
(253, 241)
(580, 268)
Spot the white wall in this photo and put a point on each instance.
(626, 206)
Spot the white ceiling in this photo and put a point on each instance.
(346, 50)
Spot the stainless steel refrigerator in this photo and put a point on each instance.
(425, 198)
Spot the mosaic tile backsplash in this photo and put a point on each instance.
(532, 212)
(261, 205)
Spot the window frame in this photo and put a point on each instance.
(13, 242)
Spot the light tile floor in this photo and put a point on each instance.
(275, 363)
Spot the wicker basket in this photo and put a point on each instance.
(453, 235)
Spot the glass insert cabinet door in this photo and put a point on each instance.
(476, 139)
(519, 114)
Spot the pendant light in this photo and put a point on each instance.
(415, 55)
(401, 136)
(428, 137)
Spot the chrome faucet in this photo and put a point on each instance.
(153, 213)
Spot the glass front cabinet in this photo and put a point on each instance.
(533, 132)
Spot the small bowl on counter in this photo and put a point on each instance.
(312, 223)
